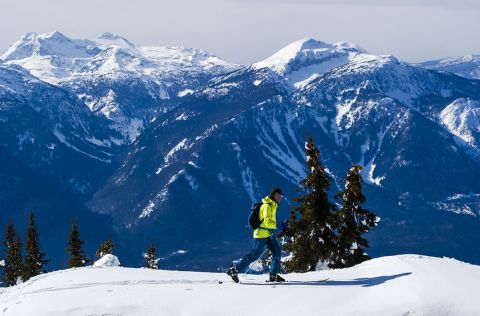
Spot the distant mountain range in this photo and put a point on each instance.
(466, 66)
(172, 144)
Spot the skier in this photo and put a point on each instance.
(263, 236)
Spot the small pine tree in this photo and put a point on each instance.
(34, 263)
(106, 247)
(151, 259)
(13, 267)
(311, 236)
(75, 244)
(353, 221)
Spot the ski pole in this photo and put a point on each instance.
(255, 261)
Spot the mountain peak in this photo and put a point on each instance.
(22, 48)
(306, 43)
(47, 44)
(29, 36)
(467, 66)
(55, 36)
(307, 57)
(108, 35)
(111, 39)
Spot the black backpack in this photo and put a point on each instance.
(254, 217)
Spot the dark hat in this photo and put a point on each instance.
(276, 190)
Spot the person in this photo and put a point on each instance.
(264, 236)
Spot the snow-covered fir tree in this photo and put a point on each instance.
(353, 221)
(34, 261)
(75, 248)
(151, 259)
(106, 247)
(13, 265)
(311, 236)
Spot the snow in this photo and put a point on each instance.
(55, 58)
(462, 118)
(396, 285)
(192, 182)
(133, 129)
(182, 145)
(466, 66)
(107, 260)
(223, 178)
(182, 117)
(302, 61)
(179, 252)
(274, 146)
(460, 203)
(80, 65)
(64, 141)
(248, 179)
(367, 171)
(184, 92)
(147, 210)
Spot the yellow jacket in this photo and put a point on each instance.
(268, 218)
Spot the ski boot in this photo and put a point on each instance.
(233, 273)
(275, 278)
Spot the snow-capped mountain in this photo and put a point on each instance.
(123, 81)
(226, 144)
(302, 61)
(182, 142)
(466, 66)
(54, 58)
(396, 285)
(31, 109)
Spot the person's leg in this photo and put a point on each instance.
(257, 250)
(274, 247)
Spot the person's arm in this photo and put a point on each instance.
(268, 221)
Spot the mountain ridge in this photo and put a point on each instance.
(177, 149)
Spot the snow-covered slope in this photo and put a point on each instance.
(306, 59)
(462, 119)
(466, 66)
(123, 81)
(397, 285)
(54, 57)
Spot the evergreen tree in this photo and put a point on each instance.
(75, 244)
(34, 262)
(151, 258)
(311, 236)
(353, 221)
(12, 271)
(106, 247)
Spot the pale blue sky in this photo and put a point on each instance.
(246, 31)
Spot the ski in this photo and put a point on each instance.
(300, 282)
(291, 282)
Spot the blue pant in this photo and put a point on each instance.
(257, 250)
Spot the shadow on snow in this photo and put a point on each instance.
(364, 282)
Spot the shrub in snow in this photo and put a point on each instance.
(106, 247)
(107, 260)
(151, 258)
